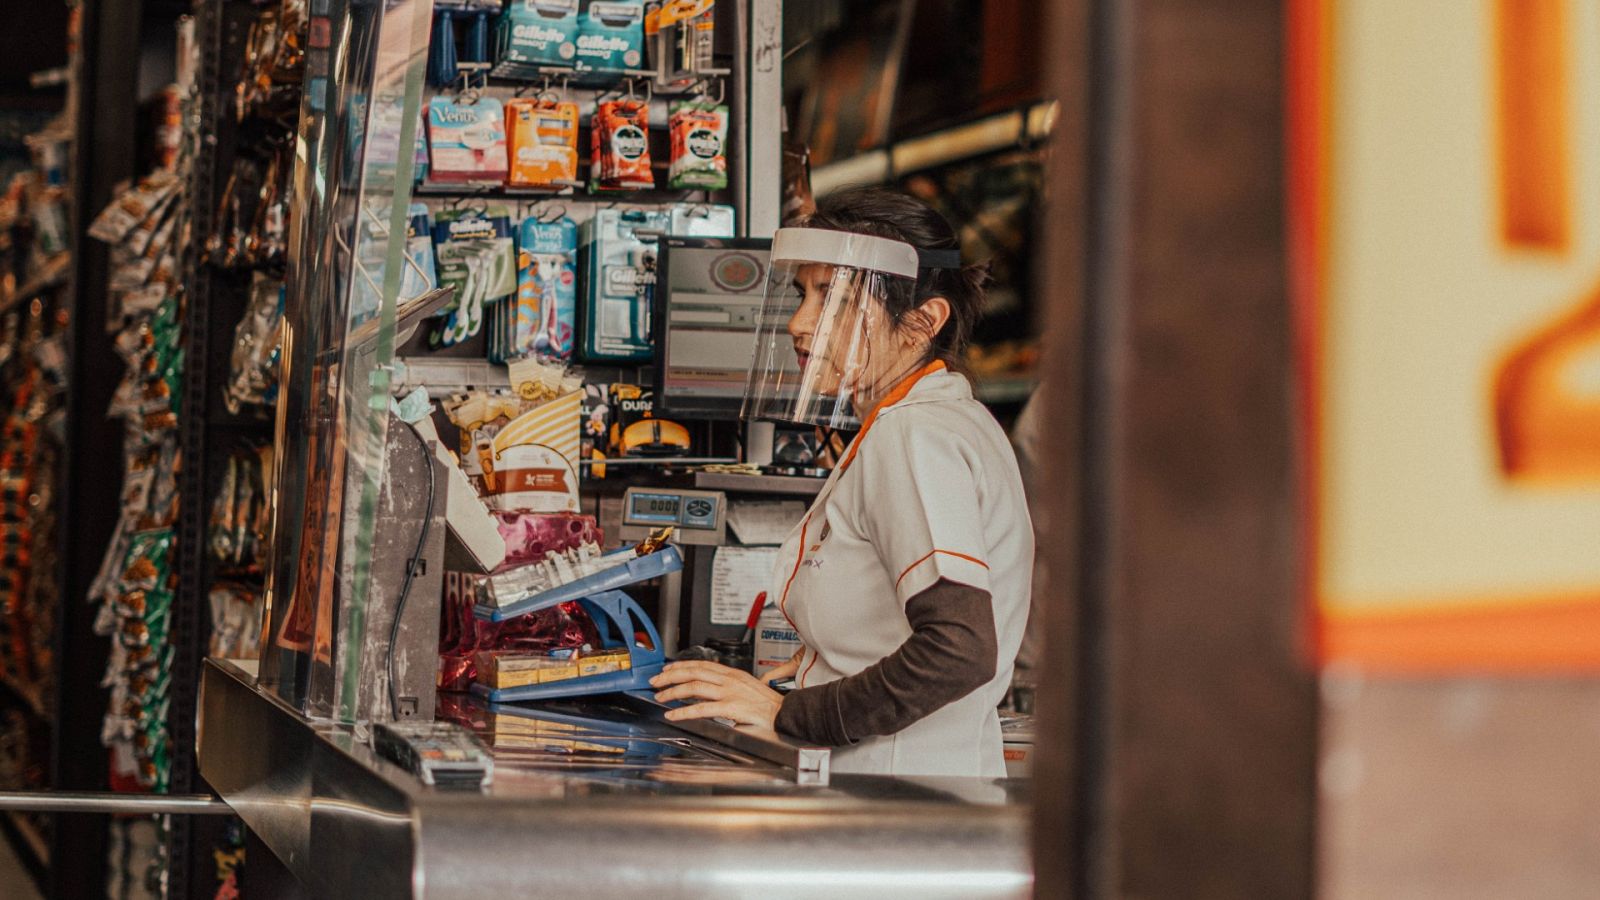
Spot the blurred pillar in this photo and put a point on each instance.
(1179, 713)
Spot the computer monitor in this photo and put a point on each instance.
(707, 304)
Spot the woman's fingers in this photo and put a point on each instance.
(712, 709)
(701, 670)
(691, 690)
(784, 671)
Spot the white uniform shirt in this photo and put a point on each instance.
(928, 490)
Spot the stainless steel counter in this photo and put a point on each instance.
(592, 799)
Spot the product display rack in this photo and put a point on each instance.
(209, 432)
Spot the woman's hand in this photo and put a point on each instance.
(723, 693)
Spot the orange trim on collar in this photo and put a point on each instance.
(895, 396)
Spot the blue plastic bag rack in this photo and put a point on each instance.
(633, 571)
(616, 616)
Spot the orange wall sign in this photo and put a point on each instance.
(1445, 239)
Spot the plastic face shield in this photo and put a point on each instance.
(826, 348)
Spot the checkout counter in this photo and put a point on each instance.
(596, 797)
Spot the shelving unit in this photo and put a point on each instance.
(216, 299)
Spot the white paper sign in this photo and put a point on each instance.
(737, 575)
(764, 522)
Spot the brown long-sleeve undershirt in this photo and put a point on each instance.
(952, 651)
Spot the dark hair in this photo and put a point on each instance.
(901, 217)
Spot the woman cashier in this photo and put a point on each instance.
(908, 579)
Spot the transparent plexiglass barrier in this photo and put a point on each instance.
(365, 62)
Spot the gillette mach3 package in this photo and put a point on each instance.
(535, 34)
(618, 264)
(610, 36)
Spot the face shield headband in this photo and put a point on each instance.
(827, 347)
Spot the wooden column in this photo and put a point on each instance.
(1179, 714)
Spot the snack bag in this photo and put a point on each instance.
(544, 143)
(467, 140)
(622, 147)
(699, 140)
(534, 463)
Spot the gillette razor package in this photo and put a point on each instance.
(476, 254)
(610, 36)
(618, 265)
(535, 34)
(547, 288)
(467, 140)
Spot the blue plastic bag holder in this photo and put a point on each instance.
(617, 617)
(643, 568)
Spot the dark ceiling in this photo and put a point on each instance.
(34, 37)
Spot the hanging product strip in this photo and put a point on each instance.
(147, 228)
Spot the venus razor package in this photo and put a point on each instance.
(617, 263)
(610, 36)
(477, 256)
(467, 140)
(547, 288)
(535, 34)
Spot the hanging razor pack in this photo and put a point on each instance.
(547, 289)
(610, 37)
(460, 41)
(618, 254)
(679, 39)
(544, 142)
(536, 34)
(476, 255)
(467, 140)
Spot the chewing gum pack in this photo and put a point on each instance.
(535, 34)
(547, 288)
(610, 36)
(467, 141)
(699, 140)
(620, 143)
(544, 143)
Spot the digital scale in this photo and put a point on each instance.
(697, 517)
